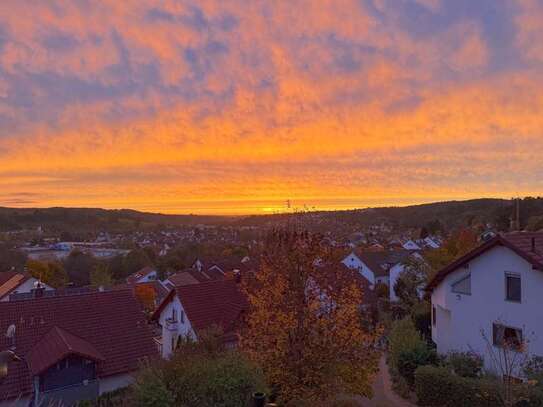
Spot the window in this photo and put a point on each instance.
(434, 316)
(182, 318)
(173, 315)
(462, 286)
(512, 287)
(506, 336)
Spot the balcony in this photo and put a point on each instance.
(171, 324)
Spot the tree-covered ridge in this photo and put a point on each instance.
(433, 216)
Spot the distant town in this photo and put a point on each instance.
(90, 297)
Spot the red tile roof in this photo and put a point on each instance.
(192, 276)
(519, 242)
(112, 322)
(55, 345)
(5, 276)
(212, 303)
(9, 281)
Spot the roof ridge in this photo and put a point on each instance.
(60, 332)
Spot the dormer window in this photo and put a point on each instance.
(462, 286)
(513, 290)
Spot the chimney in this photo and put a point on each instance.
(38, 290)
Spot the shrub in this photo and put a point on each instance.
(199, 375)
(438, 387)
(400, 385)
(533, 369)
(382, 290)
(410, 360)
(528, 395)
(403, 337)
(421, 315)
(465, 364)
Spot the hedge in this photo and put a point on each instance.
(438, 387)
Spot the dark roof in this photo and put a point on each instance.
(6, 276)
(55, 345)
(133, 278)
(112, 322)
(212, 303)
(380, 262)
(518, 242)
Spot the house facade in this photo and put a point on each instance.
(12, 283)
(382, 267)
(145, 275)
(490, 296)
(190, 309)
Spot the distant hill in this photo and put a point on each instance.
(92, 220)
(444, 215)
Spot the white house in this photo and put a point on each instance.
(411, 245)
(190, 309)
(145, 275)
(379, 267)
(493, 292)
(12, 283)
(354, 262)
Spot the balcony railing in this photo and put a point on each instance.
(171, 324)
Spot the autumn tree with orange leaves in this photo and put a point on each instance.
(305, 326)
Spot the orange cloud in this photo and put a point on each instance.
(233, 107)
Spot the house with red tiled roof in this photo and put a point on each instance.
(384, 267)
(493, 292)
(12, 283)
(190, 309)
(72, 347)
(194, 276)
(145, 275)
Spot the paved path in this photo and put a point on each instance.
(383, 395)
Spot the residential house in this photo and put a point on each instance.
(188, 310)
(193, 276)
(410, 245)
(12, 283)
(382, 267)
(493, 292)
(72, 347)
(144, 275)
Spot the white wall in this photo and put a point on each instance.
(26, 287)
(460, 318)
(21, 402)
(184, 329)
(152, 276)
(111, 383)
(352, 261)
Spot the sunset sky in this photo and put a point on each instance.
(235, 106)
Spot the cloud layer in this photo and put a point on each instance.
(235, 106)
